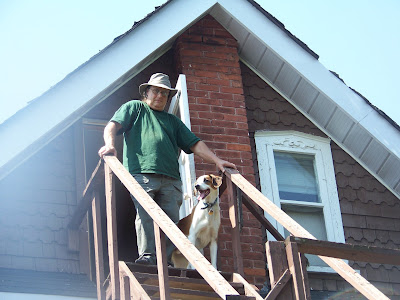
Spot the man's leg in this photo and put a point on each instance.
(169, 198)
(144, 223)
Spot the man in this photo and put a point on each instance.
(152, 139)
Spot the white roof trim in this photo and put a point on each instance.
(265, 47)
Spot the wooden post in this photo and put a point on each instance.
(233, 211)
(294, 264)
(162, 265)
(112, 231)
(277, 266)
(125, 287)
(98, 246)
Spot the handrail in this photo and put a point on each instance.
(202, 265)
(343, 269)
(87, 196)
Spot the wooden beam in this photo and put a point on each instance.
(233, 216)
(112, 231)
(294, 264)
(249, 290)
(277, 266)
(136, 290)
(84, 204)
(343, 269)
(98, 246)
(162, 265)
(263, 220)
(279, 285)
(370, 254)
(200, 263)
(125, 287)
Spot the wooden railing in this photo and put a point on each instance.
(302, 241)
(290, 268)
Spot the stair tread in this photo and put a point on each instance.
(185, 284)
(152, 269)
(177, 293)
(182, 282)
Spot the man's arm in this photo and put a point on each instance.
(110, 132)
(202, 150)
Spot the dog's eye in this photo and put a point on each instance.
(206, 180)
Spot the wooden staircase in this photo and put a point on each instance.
(286, 264)
(184, 284)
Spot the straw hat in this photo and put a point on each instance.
(160, 80)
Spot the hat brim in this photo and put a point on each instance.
(143, 87)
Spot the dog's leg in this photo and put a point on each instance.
(213, 253)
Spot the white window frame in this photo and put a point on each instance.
(300, 143)
(180, 102)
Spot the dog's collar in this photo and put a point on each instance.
(209, 205)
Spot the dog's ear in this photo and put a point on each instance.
(216, 181)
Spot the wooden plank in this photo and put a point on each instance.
(293, 259)
(277, 266)
(233, 216)
(263, 220)
(202, 265)
(342, 268)
(303, 265)
(98, 245)
(125, 287)
(179, 282)
(249, 290)
(84, 204)
(162, 265)
(279, 285)
(136, 289)
(112, 231)
(371, 254)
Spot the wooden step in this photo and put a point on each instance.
(184, 283)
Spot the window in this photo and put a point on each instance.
(296, 173)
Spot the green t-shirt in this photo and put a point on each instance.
(152, 139)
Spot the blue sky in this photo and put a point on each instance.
(44, 40)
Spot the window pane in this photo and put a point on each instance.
(296, 177)
(312, 219)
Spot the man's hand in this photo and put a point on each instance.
(222, 164)
(110, 131)
(107, 150)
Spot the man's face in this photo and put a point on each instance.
(157, 98)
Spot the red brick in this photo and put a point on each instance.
(238, 147)
(219, 82)
(207, 87)
(233, 103)
(226, 138)
(222, 109)
(254, 271)
(214, 95)
(199, 107)
(194, 93)
(211, 115)
(208, 74)
(223, 123)
(231, 90)
(236, 118)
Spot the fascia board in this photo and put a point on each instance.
(99, 73)
(313, 71)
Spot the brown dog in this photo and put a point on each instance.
(202, 225)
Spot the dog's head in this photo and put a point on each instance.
(207, 186)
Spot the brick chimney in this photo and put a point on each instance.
(208, 55)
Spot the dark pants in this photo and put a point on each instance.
(167, 193)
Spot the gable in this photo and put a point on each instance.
(282, 61)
